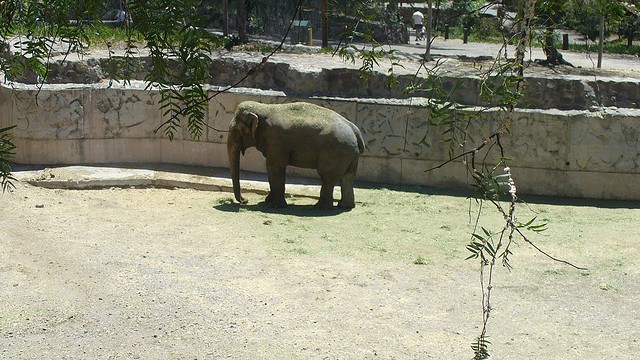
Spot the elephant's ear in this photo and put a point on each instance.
(253, 118)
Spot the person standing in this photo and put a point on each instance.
(418, 20)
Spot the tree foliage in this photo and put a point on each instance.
(583, 15)
(180, 51)
(6, 153)
(169, 31)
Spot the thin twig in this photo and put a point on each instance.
(468, 152)
(547, 254)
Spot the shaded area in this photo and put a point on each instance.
(218, 179)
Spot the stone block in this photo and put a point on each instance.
(538, 137)
(563, 94)
(422, 139)
(302, 83)
(216, 155)
(600, 185)
(45, 151)
(340, 82)
(452, 176)
(101, 151)
(383, 127)
(605, 141)
(51, 112)
(189, 152)
(125, 113)
(576, 184)
(617, 93)
(379, 169)
(173, 151)
(6, 107)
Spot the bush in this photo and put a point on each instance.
(613, 47)
(487, 28)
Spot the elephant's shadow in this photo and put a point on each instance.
(291, 209)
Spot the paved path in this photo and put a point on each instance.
(460, 57)
(456, 48)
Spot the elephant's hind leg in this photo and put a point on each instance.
(347, 200)
(326, 193)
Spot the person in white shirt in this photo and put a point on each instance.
(418, 20)
(120, 16)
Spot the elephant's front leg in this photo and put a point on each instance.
(276, 173)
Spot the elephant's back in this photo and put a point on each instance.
(315, 127)
(302, 114)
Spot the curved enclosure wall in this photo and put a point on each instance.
(572, 153)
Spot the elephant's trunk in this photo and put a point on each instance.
(233, 150)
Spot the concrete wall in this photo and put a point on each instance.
(575, 153)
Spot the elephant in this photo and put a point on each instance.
(299, 134)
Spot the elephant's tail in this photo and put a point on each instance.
(361, 145)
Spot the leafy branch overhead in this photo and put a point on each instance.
(501, 85)
(6, 153)
(180, 51)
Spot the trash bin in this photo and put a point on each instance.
(300, 32)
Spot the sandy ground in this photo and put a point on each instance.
(124, 273)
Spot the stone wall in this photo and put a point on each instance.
(544, 91)
(575, 153)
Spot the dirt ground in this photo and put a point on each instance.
(123, 273)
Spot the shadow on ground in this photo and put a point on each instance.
(291, 209)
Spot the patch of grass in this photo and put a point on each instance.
(225, 201)
(420, 261)
(328, 238)
(257, 47)
(614, 47)
(606, 287)
(491, 37)
(619, 263)
(369, 213)
(555, 272)
(374, 227)
(378, 248)
(299, 251)
(106, 36)
(287, 221)
(485, 33)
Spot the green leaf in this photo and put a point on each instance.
(480, 347)
(6, 153)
